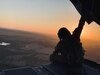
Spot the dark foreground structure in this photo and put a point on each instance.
(50, 69)
(90, 9)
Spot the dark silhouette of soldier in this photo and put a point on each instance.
(69, 49)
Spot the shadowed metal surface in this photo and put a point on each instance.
(50, 69)
(19, 71)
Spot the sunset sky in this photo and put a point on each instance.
(43, 16)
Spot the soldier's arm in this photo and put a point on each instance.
(78, 30)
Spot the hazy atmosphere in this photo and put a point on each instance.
(44, 16)
(40, 17)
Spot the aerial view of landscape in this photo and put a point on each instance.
(29, 28)
(25, 49)
(33, 49)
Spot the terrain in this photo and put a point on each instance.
(33, 49)
(26, 49)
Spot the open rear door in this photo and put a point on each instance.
(90, 9)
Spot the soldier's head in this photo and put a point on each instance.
(64, 33)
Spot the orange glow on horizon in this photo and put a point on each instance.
(86, 33)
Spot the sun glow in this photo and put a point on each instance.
(43, 16)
